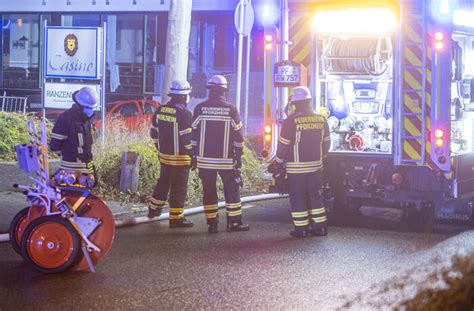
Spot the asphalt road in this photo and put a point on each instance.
(153, 267)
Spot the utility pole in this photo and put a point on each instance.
(284, 22)
(177, 44)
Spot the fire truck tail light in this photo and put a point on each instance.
(268, 137)
(439, 142)
(439, 133)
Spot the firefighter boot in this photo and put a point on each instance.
(319, 231)
(299, 232)
(181, 223)
(154, 212)
(237, 226)
(212, 227)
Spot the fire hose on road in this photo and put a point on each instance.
(165, 216)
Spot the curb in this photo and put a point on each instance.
(165, 216)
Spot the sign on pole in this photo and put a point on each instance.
(248, 19)
(243, 20)
(59, 95)
(72, 52)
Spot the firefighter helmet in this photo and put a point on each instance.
(217, 81)
(86, 97)
(180, 87)
(300, 93)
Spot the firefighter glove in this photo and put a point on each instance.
(238, 178)
(193, 163)
(238, 163)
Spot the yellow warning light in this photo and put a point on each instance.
(439, 133)
(439, 36)
(268, 137)
(19, 22)
(439, 142)
(268, 46)
(268, 129)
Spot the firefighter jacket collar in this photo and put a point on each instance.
(81, 115)
(217, 97)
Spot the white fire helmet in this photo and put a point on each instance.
(180, 87)
(217, 81)
(300, 93)
(86, 97)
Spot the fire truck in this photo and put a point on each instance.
(395, 80)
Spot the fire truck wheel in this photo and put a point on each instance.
(50, 244)
(17, 227)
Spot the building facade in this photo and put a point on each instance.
(136, 40)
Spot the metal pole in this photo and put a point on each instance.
(44, 67)
(284, 45)
(102, 79)
(247, 83)
(239, 58)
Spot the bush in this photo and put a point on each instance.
(108, 157)
(13, 129)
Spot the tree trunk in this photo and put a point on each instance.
(176, 59)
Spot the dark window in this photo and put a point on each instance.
(126, 110)
(148, 108)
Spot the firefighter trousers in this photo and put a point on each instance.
(231, 194)
(306, 202)
(173, 180)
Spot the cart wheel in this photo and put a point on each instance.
(50, 244)
(103, 236)
(17, 227)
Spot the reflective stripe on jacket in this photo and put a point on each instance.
(72, 137)
(171, 132)
(217, 134)
(303, 142)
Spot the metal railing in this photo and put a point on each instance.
(13, 103)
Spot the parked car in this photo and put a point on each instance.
(133, 113)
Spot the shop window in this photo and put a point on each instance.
(125, 53)
(156, 28)
(19, 47)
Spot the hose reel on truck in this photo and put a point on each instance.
(357, 55)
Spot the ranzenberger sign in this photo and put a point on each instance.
(59, 95)
(72, 52)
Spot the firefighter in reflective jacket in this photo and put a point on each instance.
(72, 133)
(218, 145)
(171, 132)
(303, 144)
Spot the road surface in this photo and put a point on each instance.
(153, 267)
